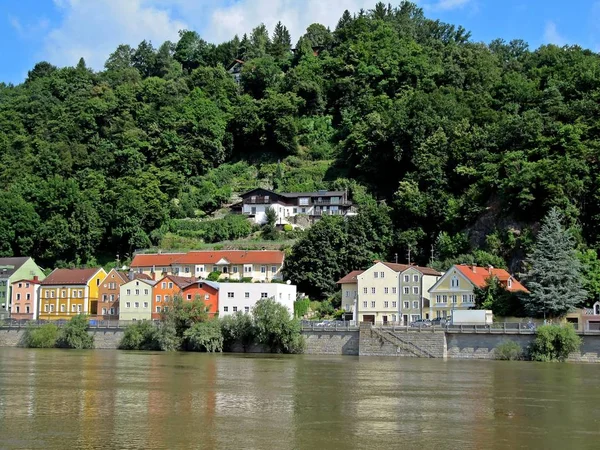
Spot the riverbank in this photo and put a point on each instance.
(368, 341)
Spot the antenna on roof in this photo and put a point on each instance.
(396, 257)
(409, 255)
(432, 255)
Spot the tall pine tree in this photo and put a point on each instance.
(281, 43)
(554, 278)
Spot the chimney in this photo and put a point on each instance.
(154, 275)
(36, 278)
(130, 274)
(474, 268)
(490, 269)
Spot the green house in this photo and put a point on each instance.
(11, 270)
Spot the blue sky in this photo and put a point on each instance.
(61, 31)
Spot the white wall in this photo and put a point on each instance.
(132, 313)
(245, 295)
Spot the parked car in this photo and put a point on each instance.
(421, 323)
(440, 322)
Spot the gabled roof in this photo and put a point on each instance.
(180, 282)
(10, 265)
(148, 282)
(233, 256)
(70, 277)
(403, 267)
(212, 284)
(25, 280)
(155, 259)
(479, 276)
(351, 277)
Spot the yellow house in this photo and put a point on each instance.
(69, 292)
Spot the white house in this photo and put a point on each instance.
(241, 297)
(135, 300)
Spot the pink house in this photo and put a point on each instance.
(25, 299)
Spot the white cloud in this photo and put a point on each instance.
(242, 16)
(93, 29)
(552, 36)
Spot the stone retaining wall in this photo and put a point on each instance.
(331, 342)
(414, 344)
(481, 346)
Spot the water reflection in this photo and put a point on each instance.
(56, 399)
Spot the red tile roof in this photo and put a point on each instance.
(181, 282)
(69, 276)
(155, 259)
(351, 277)
(479, 277)
(233, 256)
(24, 280)
(403, 267)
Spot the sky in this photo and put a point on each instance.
(62, 31)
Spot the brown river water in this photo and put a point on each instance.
(66, 399)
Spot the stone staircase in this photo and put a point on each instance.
(417, 344)
(402, 344)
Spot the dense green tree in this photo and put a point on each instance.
(74, 334)
(281, 43)
(554, 278)
(275, 328)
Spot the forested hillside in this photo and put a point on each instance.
(465, 145)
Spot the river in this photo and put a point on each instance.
(67, 399)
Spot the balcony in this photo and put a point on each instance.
(319, 212)
(259, 200)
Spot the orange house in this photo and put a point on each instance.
(164, 291)
(208, 291)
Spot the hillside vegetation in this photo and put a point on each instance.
(465, 145)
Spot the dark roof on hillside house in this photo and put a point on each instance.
(69, 276)
(8, 266)
(322, 193)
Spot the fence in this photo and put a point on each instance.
(329, 325)
(93, 323)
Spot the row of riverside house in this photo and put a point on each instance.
(145, 290)
(402, 293)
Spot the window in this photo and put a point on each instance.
(372, 290)
(376, 275)
(187, 269)
(364, 304)
(416, 278)
(246, 309)
(18, 296)
(137, 304)
(74, 308)
(235, 269)
(364, 290)
(472, 298)
(112, 297)
(104, 297)
(167, 297)
(303, 201)
(246, 294)
(45, 308)
(103, 311)
(225, 269)
(63, 294)
(170, 285)
(263, 295)
(137, 292)
(273, 269)
(510, 282)
(225, 308)
(158, 309)
(393, 317)
(163, 285)
(145, 304)
(146, 292)
(17, 309)
(26, 309)
(51, 294)
(386, 304)
(394, 290)
(27, 285)
(438, 299)
(206, 297)
(406, 278)
(62, 308)
(199, 268)
(127, 305)
(464, 298)
(406, 305)
(381, 274)
(295, 210)
(415, 289)
(27, 296)
(454, 282)
(98, 282)
(394, 304)
(235, 309)
(247, 268)
(79, 308)
(128, 291)
(112, 311)
(189, 296)
(303, 210)
(158, 299)
(386, 290)
(347, 293)
(416, 305)
(372, 304)
(263, 269)
(406, 290)
(51, 308)
(444, 298)
(230, 295)
(21, 285)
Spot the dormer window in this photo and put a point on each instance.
(509, 283)
(454, 282)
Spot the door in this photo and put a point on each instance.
(405, 319)
(369, 318)
(385, 320)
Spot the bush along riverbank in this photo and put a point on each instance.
(73, 334)
(552, 343)
(187, 326)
